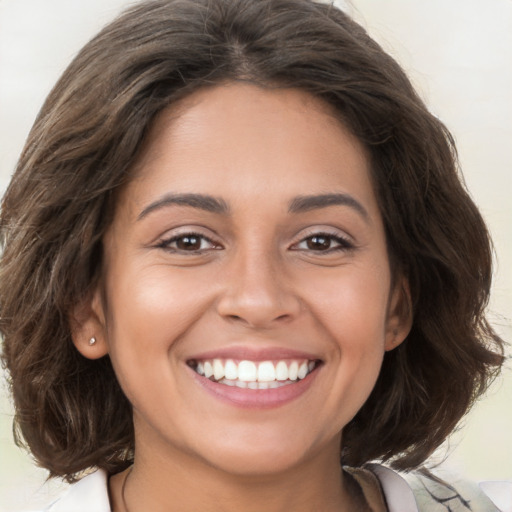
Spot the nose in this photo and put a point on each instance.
(258, 293)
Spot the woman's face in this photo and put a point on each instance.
(249, 244)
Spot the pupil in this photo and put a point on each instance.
(319, 243)
(189, 243)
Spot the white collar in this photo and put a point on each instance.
(398, 494)
(88, 495)
(91, 493)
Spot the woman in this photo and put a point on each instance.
(236, 252)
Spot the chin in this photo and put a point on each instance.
(261, 455)
(252, 464)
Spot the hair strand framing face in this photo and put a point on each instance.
(78, 156)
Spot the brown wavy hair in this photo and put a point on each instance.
(70, 411)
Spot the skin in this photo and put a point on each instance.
(257, 280)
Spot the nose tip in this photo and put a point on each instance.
(255, 316)
(258, 299)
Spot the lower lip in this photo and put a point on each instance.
(256, 398)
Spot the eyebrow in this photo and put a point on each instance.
(200, 201)
(306, 203)
(212, 204)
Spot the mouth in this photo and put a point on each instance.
(254, 375)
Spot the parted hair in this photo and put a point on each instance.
(70, 411)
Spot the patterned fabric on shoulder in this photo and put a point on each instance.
(446, 492)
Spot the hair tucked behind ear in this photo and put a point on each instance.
(70, 411)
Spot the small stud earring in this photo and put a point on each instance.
(92, 341)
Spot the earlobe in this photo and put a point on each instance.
(88, 329)
(400, 315)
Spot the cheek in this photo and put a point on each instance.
(352, 312)
(150, 309)
(351, 303)
(156, 299)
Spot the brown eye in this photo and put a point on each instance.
(323, 242)
(319, 243)
(188, 243)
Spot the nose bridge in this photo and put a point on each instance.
(257, 291)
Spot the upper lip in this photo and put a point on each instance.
(254, 354)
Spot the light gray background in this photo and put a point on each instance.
(459, 54)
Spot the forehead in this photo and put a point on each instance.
(238, 139)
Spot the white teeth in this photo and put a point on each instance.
(231, 370)
(218, 369)
(266, 372)
(293, 371)
(208, 369)
(303, 370)
(282, 371)
(262, 375)
(247, 371)
(254, 385)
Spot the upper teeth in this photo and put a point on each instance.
(250, 371)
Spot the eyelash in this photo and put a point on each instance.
(166, 243)
(343, 243)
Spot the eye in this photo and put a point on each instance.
(188, 242)
(323, 242)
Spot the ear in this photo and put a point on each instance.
(400, 314)
(88, 327)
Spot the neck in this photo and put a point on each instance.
(159, 483)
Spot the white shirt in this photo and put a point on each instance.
(403, 493)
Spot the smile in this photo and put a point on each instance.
(254, 374)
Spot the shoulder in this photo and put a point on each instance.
(418, 492)
(411, 492)
(90, 494)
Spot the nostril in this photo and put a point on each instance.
(256, 322)
(256, 309)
